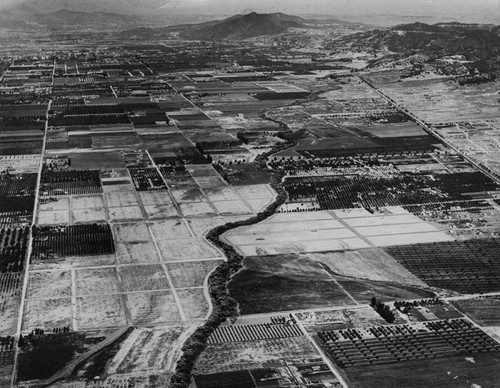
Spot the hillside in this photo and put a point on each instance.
(237, 27)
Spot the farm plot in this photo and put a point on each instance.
(194, 303)
(70, 182)
(54, 204)
(256, 332)
(170, 230)
(10, 300)
(121, 199)
(125, 213)
(189, 249)
(146, 179)
(352, 192)
(49, 284)
(190, 274)
(479, 370)
(222, 194)
(325, 320)
(15, 219)
(210, 182)
(200, 226)
(13, 246)
(51, 217)
(158, 205)
(402, 343)
(234, 356)
(136, 253)
(132, 232)
(17, 193)
(143, 278)
(284, 283)
(197, 209)
(20, 164)
(485, 311)
(232, 207)
(52, 242)
(96, 281)
(147, 350)
(96, 160)
(100, 311)
(188, 195)
(88, 209)
(316, 232)
(47, 314)
(469, 266)
(152, 308)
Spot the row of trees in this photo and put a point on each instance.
(383, 310)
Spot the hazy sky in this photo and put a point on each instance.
(480, 11)
(488, 9)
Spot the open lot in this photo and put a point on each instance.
(191, 274)
(152, 308)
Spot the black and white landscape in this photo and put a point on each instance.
(227, 194)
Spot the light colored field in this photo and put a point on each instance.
(170, 230)
(211, 182)
(125, 213)
(161, 211)
(351, 213)
(286, 237)
(387, 230)
(155, 197)
(132, 232)
(51, 217)
(201, 170)
(200, 226)
(223, 194)
(96, 281)
(91, 201)
(280, 224)
(190, 249)
(47, 313)
(197, 209)
(373, 264)
(97, 312)
(194, 303)
(19, 164)
(152, 308)
(121, 199)
(234, 356)
(188, 195)
(232, 207)
(259, 205)
(147, 350)
(143, 278)
(110, 189)
(376, 220)
(89, 214)
(62, 203)
(252, 192)
(190, 274)
(75, 262)
(136, 253)
(49, 284)
(303, 247)
(414, 238)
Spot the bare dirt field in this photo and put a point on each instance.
(190, 274)
(47, 313)
(189, 249)
(136, 253)
(143, 277)
(51, 284)
(152, 308)
(194, 303)
(100, 311)
(96, 281)
(170, 230)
